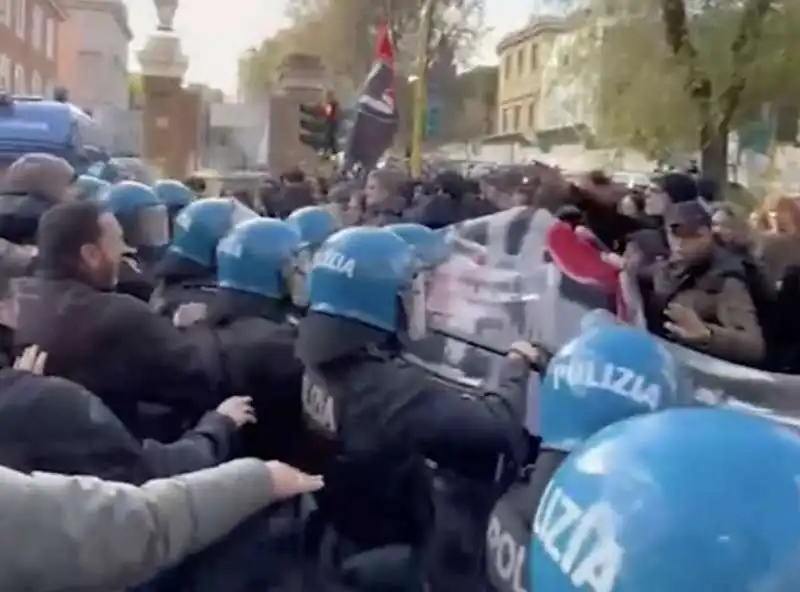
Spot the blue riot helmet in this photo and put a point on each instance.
(429, 245)
(665, 503)
(358, 274)
(202, 224)
(89, 187)
(106, 171)
(142, 216)
(314, 224)
(255, 255)
(173, 194)
(608, 373)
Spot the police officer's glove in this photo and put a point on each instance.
(537, 357)
(239, 409)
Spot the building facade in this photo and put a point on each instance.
(568, 89)
(522, 55)
(93, 54)
(29, 36)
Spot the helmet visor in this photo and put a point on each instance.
(147, 227)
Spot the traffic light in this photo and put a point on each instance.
(320, 126)
(331, 109)
(313, 125)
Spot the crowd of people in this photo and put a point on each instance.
(210, 393)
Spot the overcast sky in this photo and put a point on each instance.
(213, 38)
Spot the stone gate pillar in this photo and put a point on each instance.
(301, 78)
(171, 113)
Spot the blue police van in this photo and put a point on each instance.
(34, 124)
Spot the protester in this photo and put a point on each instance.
(702, 291)
(781, 241)
(384, 201)
(446, 206)
(110, 343)
(295, 192)
(84, 437)
(103, 535)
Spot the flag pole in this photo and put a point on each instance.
(421, 86)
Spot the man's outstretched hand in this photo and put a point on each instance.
(288, 481)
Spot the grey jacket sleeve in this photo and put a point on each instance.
(81, 533)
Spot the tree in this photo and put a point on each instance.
(682, 74)
(475, 105)
(258, 66)
(343, 31)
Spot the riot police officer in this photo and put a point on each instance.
(664, 502)
(609, 373)
(249, 317)
(187, 272)
(145, 228)
(32, 185)
(175, 195)
(109, 171)
(385, 416)
(90, 187)
(430, 246)
(314, 224)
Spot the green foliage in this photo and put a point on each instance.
(675, 74)
(342, 32)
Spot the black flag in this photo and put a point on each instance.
(375, 121)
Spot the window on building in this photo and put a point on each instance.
(5, 72)
(50, 38)
(20, 13)
(534, 56)
(37, 88)
(520, 61)
(37, 28)
(507, 67)
(531, 115)
(5, 12)
(49, 89)
(20, 84)
(504, 121)
(517, 117)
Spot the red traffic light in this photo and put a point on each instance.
(331, 109)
